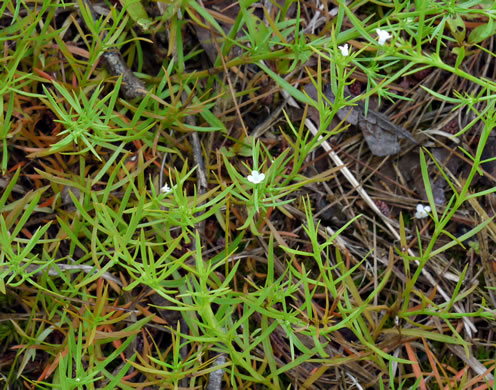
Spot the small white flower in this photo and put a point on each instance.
(78, 380)
(422, 211)
(345, 49)
(165, 189)
(256, 177)
(382, 36)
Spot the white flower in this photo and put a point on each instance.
(165, 189)
(383, 36)
(345, 49)
(256, 177)
(422, 211)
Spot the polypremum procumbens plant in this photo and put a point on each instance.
(257, 186)
(267, 183)
(85, 122)
(179, 207)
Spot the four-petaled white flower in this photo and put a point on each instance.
(422, 211)
(345, 49)
(165, 189)
(382, 36)
(256, 177)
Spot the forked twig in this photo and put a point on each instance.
(131, 86)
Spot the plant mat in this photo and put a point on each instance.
(137, 253)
